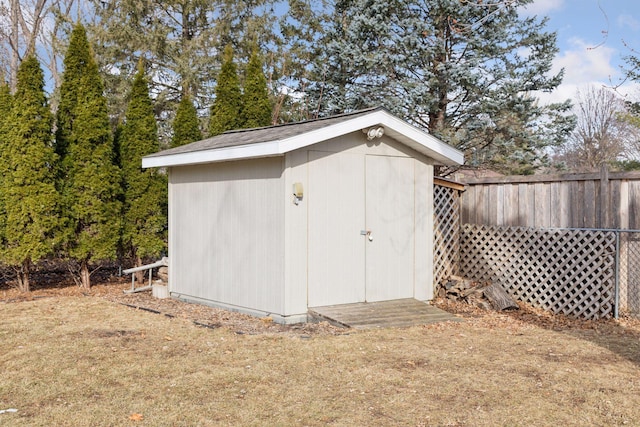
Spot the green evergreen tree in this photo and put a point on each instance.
(6, 101)
(145, 190)
(463, 70)
(28, 192)
(186, 127)
(91, 180)
(256, 105)
(226, 111)
(179, 39)
(75, 64)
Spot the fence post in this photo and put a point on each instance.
(616, 306)
(604, 197)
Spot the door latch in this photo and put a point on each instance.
(368, 234)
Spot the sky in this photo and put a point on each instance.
(593, 37)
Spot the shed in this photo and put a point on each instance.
(275, 220)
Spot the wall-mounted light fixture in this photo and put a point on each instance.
(298, 192)
(374, 132)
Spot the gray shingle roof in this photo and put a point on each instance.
(236, 138)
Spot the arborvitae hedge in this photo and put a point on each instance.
(186, 127)
(257, 108)
(226, 111)
(27, 190)
(145, 194)
(91, 180)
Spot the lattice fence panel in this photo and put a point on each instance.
(563, 271)
(629, 279)
(446, 207)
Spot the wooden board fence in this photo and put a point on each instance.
(596, 200)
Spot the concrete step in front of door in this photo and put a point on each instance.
(384, 314)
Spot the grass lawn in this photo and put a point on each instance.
(86, 361)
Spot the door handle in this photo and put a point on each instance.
(368, 234)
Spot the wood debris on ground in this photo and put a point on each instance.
(482, 294)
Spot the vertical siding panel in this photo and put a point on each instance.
(481, 205)
(624, 206)
(464, 204)
(531, 201)
(172, 227)
(424, 238)
(614, 204)
(523, 205)
(229, 233)
(589, 204)
(468, 198)
(510, 210)
(295, 292)
(634, 205)
(473, 205)
(564, 205)
(542, 205)
(500, 203)
(576, 195)
(492, 207)
(555, 203)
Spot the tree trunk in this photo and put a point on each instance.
(14, 44)
(139, 274)
(23, 276)
(85, 275)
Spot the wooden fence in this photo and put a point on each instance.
(596, 200)
(515, 230)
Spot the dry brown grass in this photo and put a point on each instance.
(85, 361)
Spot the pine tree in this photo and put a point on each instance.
(186, 126)
(179, 39)
(227, 107)
(145, 194)
(29, 196)
(256, 104)
(91, 181)
(462, 70)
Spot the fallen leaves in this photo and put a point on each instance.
(136, 417)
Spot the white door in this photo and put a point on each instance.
(390, 219)
(348, 196)
(336, 249)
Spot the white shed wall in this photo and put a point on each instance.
(226, 234)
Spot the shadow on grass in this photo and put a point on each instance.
(55, 275)
(619, 336)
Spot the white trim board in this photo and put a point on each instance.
(394, 127)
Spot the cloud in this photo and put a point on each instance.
(583, 65)
(543, 7)
(585, 61)
(628, 21)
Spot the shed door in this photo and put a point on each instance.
(389, 216)
(336, 214)
(349, 194)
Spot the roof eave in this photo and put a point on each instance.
(398, 129)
